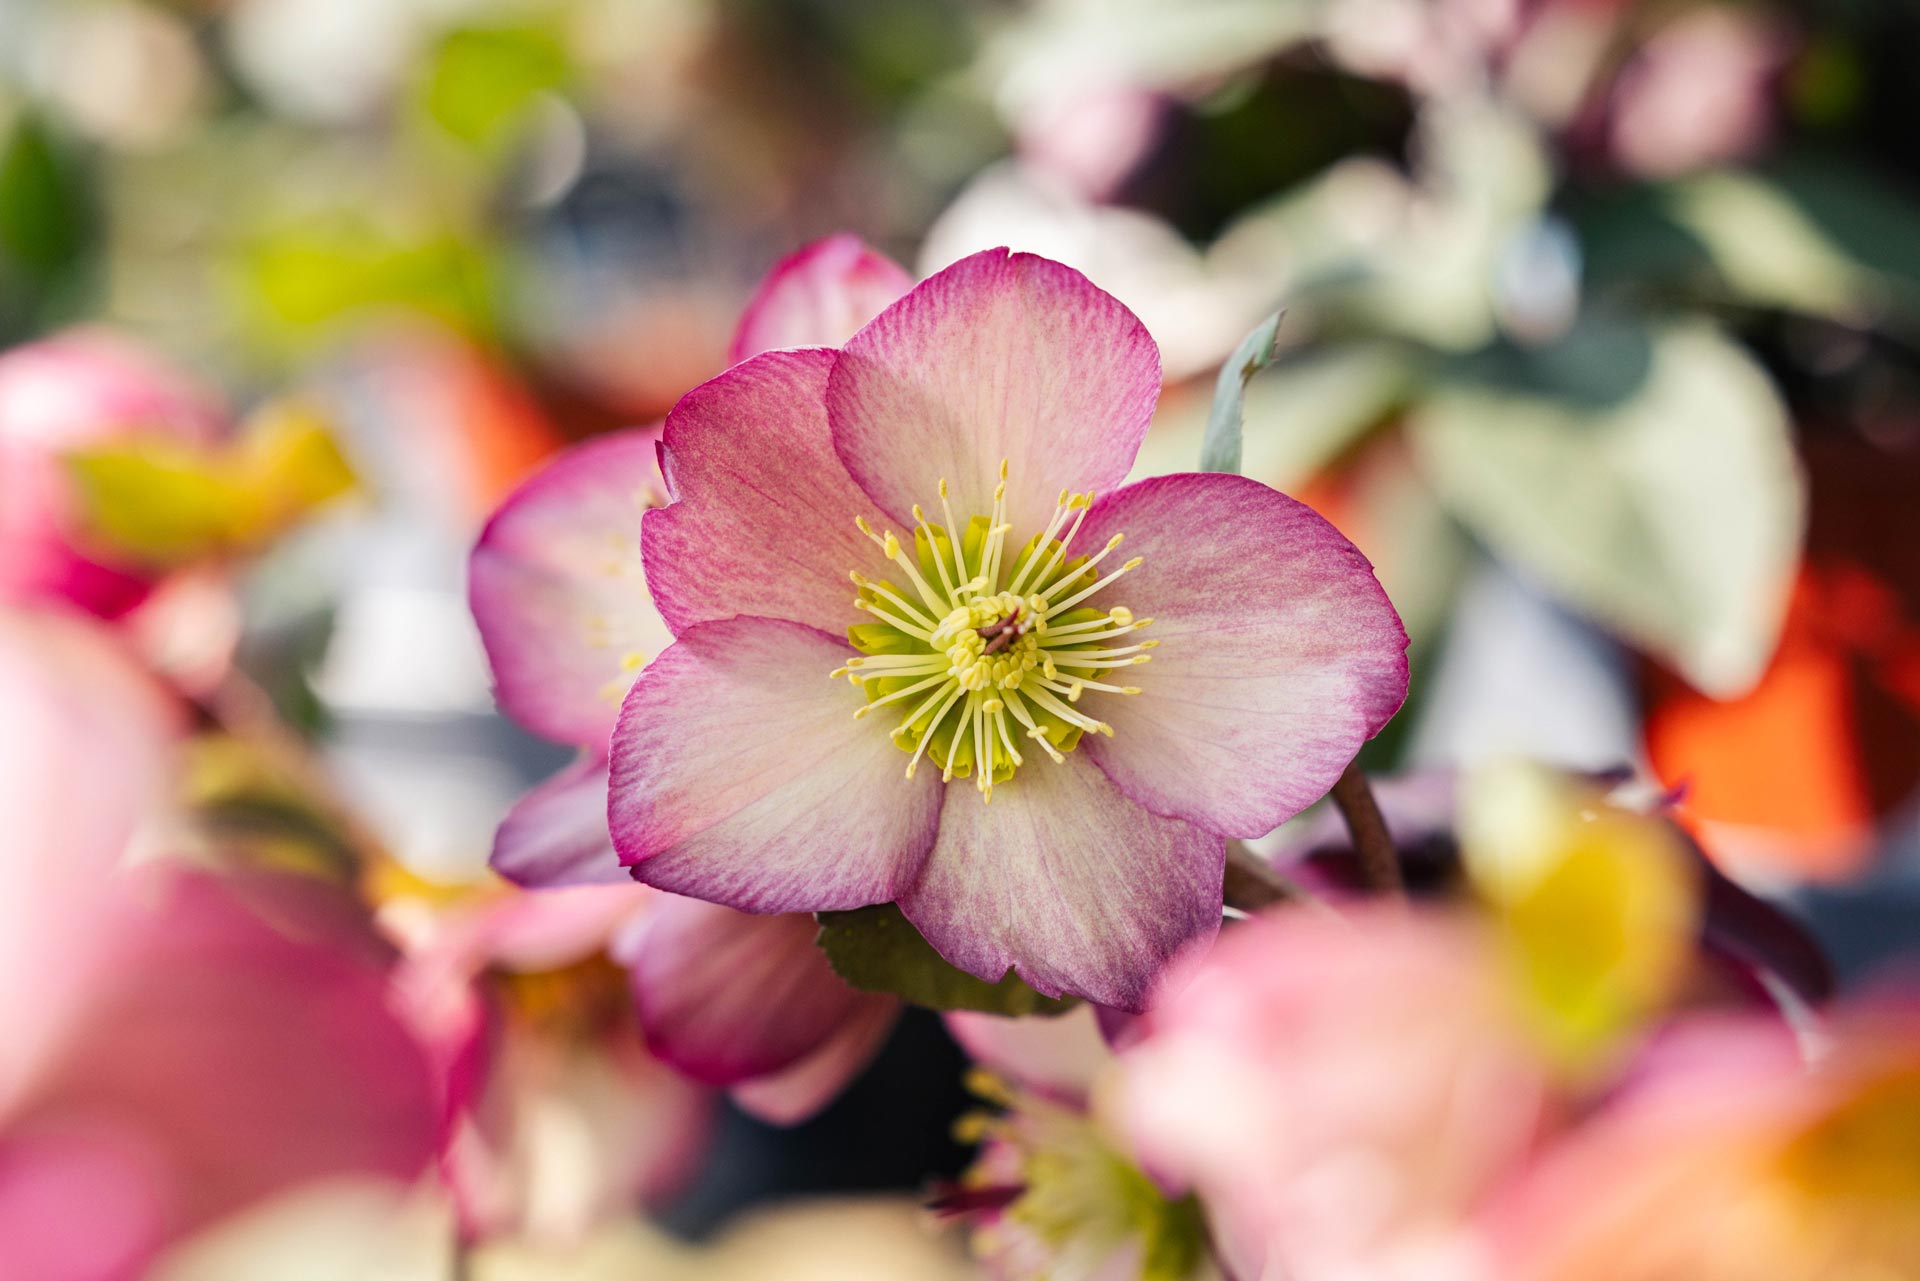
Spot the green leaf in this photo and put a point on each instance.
(876, 949)
(1220, 451)
(1670, 510)
(481, 80)
(163, 504)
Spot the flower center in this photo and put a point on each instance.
(981, 652)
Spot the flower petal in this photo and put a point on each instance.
(818, 297)
(557, 833)
(792, 1096)
(762, 519)
(725, 996)
(1068, 882)
(1279, 652)
(557, 588)
(741, 777)
(999, 356)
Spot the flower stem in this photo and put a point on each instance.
(1372, 843)
(1253, 884)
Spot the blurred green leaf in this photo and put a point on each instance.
(310, 273)
(161, 504)
(44, 212)
(1817, 238)
(1220, 450)
(482, 79)
(47, 228)
(876, 949)
(1673, 516)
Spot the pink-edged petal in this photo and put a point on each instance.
(557, 587)
(557, 833)
(1279, 652)
(190, 1052)
(1000, 356)
(1058, 1056)
(725, 996)
(741, 777)
(818, 297)
(1069, 883)
(792, 1096)
(762, 519)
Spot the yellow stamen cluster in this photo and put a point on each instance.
(975, 664)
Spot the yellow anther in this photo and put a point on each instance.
(1061, 501)
(892, 545)
(861, 523)
(1115, 541)
(1129, 689)
(863, 711)
(836, 673)
(1152, 644)
(856, 662)
(1003, 469)
(943, 487)
(1120, 616)
(1135, 563)
(918, 515)
(633, 661)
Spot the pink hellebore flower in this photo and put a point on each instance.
(1733, 1159)
(560, 594)
(71, 392)
(999, 640)
(1342, 1093)
(170, 1057)
(555, 1118)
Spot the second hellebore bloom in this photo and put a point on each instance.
(931, 516)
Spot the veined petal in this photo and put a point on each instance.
(818, 297)
(557, 588)
(1279, 652)
(557, 833)
(1000, 356)
(725, 996)
(762, 522)
(1067, 881)
(789, 1097)
(740, 776)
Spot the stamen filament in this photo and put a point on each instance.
(881, 589)
(894, 620)
(1066, 541)
(897, 695)
(1068, 714)
(1034, 731)
(1075, 599)
(955, 536)
(933, 546)
(927, 736)
(1061, 507)
(1087, 568)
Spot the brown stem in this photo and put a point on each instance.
(1372, 843)
(1253, 884)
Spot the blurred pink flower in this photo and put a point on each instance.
(80, 389)
(1341, 1092)
(560, 594)
(555, 1119)
(1730, 1159)
(1700, 92)
(152, 1080)
(1015, 381)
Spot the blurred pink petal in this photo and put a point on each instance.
(818, 297)
(1057, 1057)
(556, 835)
(79, 389)
(796, 1093)
(1342, 1092)
(560, 595)
(727, 997)
(192, 1091)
